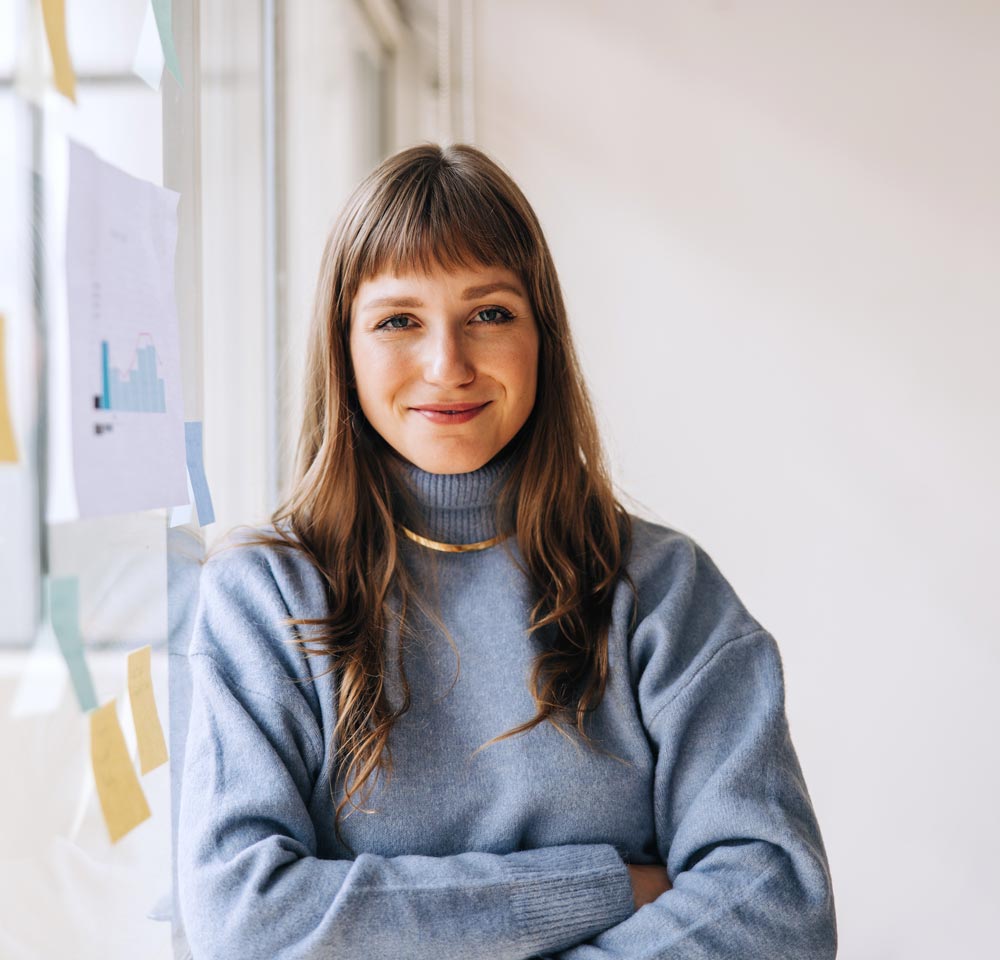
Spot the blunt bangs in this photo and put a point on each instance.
(439, 210)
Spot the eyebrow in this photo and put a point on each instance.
(470, 293)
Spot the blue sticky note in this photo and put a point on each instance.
(196, 471)
(64, 614)
(164, 14)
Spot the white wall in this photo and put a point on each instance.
(777, 227)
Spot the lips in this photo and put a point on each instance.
(450, 407)
(451, 414)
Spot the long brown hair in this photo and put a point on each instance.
(450, 206)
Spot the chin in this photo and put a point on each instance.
(464, 463)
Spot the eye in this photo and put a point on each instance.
(490, 315)
(495, 315)
(390, 324)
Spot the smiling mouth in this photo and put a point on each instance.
(457, 408)
(460, 415)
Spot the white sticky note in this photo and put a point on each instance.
(148, 62)
(182, 514)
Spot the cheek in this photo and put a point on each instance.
(521, 364)
(529, 361)
(377, 369)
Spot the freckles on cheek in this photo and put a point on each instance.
(368, 358)
(521, 360)
(379, 374)
(386, 368)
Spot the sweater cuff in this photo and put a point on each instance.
(570, 896)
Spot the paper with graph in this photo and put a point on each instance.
(127, 410)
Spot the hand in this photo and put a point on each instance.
(648, 882)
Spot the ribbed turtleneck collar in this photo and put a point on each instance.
(454, 507)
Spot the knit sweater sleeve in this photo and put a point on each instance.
(251, 883)
(735, 824)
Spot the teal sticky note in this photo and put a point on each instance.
(64, 614)
(164, 14)
(196, 472)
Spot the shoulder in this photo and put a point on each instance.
(686, 610)
(667, 563)
(251, 585)
(264, 564)
(243, 650)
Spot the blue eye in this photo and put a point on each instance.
(388, 324)
(499, 315)
(491, 315)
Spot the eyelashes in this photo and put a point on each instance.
(505, 315)
(500, 315)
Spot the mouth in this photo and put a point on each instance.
(450, 407)
(451, 413)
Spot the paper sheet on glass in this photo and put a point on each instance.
(127, 410)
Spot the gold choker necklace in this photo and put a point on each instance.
(450, 547)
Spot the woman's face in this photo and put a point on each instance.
(449, 340)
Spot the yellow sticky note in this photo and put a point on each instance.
(148, 732)
(122, 801)
(8, 448)
(54, 14)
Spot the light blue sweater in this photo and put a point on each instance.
(519, 851)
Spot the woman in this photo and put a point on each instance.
(456, 701)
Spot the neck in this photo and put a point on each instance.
(454, 508)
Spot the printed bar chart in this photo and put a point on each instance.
(138, 389)
(127, 410)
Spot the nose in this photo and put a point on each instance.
(448, 363)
